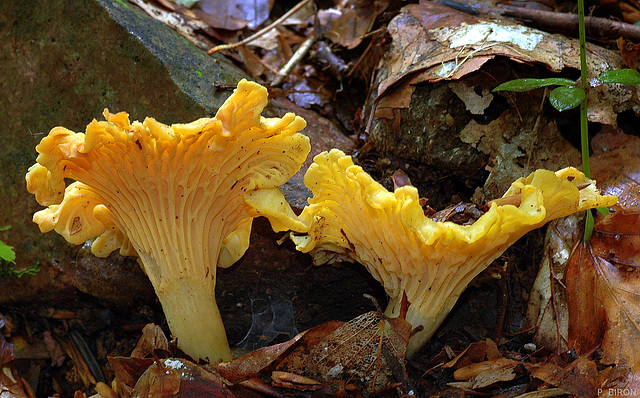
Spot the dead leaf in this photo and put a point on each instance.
(431, 42)
(476, 103)
(127, 372)
(474, 353)
(367, 351)
(152, 338)
(602, 280)
(547, 310)
(347, 24)
(253, 363)
(294, 381)
(616, 167)
(234, 14)
(174, 377)
(485, 373)
(576, 384)
(11, 384)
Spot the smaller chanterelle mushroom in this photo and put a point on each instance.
(175, 197)
(351, 217)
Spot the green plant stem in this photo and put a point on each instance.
(584, 123)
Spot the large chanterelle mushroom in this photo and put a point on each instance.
(175, 197)
(351, 217)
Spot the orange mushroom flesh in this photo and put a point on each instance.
(175, 197)
(353, 218)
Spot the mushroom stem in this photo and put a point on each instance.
(436, 304)
(193, 315)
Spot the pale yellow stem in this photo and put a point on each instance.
(193, 316)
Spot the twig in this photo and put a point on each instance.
(261, 31)
(558, 21)
(599, 27)
(293, 61)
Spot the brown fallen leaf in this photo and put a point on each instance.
(127, 371)
(294, 381)
(576, 384)
(252, 364)
(11, 384)
(474, 353)
(483, 374)
(368, 351)
(152, 338)
(547, 312)
(234, 14)
(431, 42)
(616, 167)
(603, 281)
(347, 24)
(175, 377)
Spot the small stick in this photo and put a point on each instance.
(565, 22)
(293, 61)
(261, 31)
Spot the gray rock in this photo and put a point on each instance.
(62, 63)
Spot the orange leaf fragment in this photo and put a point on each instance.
(294, 381)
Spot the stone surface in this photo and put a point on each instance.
(62, 63)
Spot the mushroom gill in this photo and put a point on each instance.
(175, 197)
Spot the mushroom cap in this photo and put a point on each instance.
(148, 186)
(351, 217)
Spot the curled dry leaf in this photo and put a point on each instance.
(483, 374)
(547, 307)
(292, 380)
(255, 362)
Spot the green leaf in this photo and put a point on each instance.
(621, 76)
(530, 84)
(7, 253)
(564, 98)
(588, 226)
